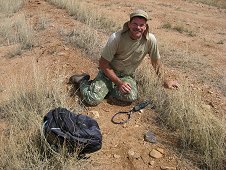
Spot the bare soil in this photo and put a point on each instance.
(204, 64)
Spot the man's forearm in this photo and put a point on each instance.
(109, 72)
(112, 76)
(158, 68)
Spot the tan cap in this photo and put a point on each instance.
(139, 13)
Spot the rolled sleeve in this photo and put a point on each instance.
(153, 49)
(109, 50)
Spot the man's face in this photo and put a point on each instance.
(137, 27)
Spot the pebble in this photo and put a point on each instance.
(207, 107)
(155, 154)
(94, 114)
(141, 111)
(66, 48)
(62, 54)
(133, 154)
(150, 137)
(168, 168)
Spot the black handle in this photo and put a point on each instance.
(141, 106)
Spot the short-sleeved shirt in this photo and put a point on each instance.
(125, 54)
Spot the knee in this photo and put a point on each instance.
(92, 99)
(130, 97)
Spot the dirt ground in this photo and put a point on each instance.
(203, 41)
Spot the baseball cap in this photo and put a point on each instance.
(139, 13)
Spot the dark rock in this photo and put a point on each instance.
(150, 137)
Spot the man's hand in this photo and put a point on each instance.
(124, 87)
(171, 84)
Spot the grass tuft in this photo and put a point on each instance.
(10, 6)
(85, 14)
(216, 3)
(17, 30)
(178, 28)
(87, 39)
(21, 144)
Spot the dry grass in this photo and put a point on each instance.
(184, 111)
(17, 30)
(193, 65)
(21, 145)
(16, 50)
(85, 38)
(85, 14)
(179, 28)
(43, 22)
(10, 6)
(217, 3)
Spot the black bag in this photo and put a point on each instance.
(78, 132)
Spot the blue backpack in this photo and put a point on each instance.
(77, 132)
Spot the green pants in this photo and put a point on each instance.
(93, 92)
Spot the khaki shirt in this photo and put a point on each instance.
(125, 54)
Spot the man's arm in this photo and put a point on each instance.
(104, 65)
(158, 67)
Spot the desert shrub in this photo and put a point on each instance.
(10, 6)
(217, 3)
(179, 28)
(83, 13)
(184, 111)
(87, 39)
(43, 22)
(17, 30)
(21, 144)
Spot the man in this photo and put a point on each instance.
(120, 57)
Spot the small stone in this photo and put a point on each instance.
(131, 153)
(141, 111)
(155, 154)
(94, 114)
(168, 168)
(206, 107)
(150, 137)
(62, 54)
(66, 48)
(210, 92)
